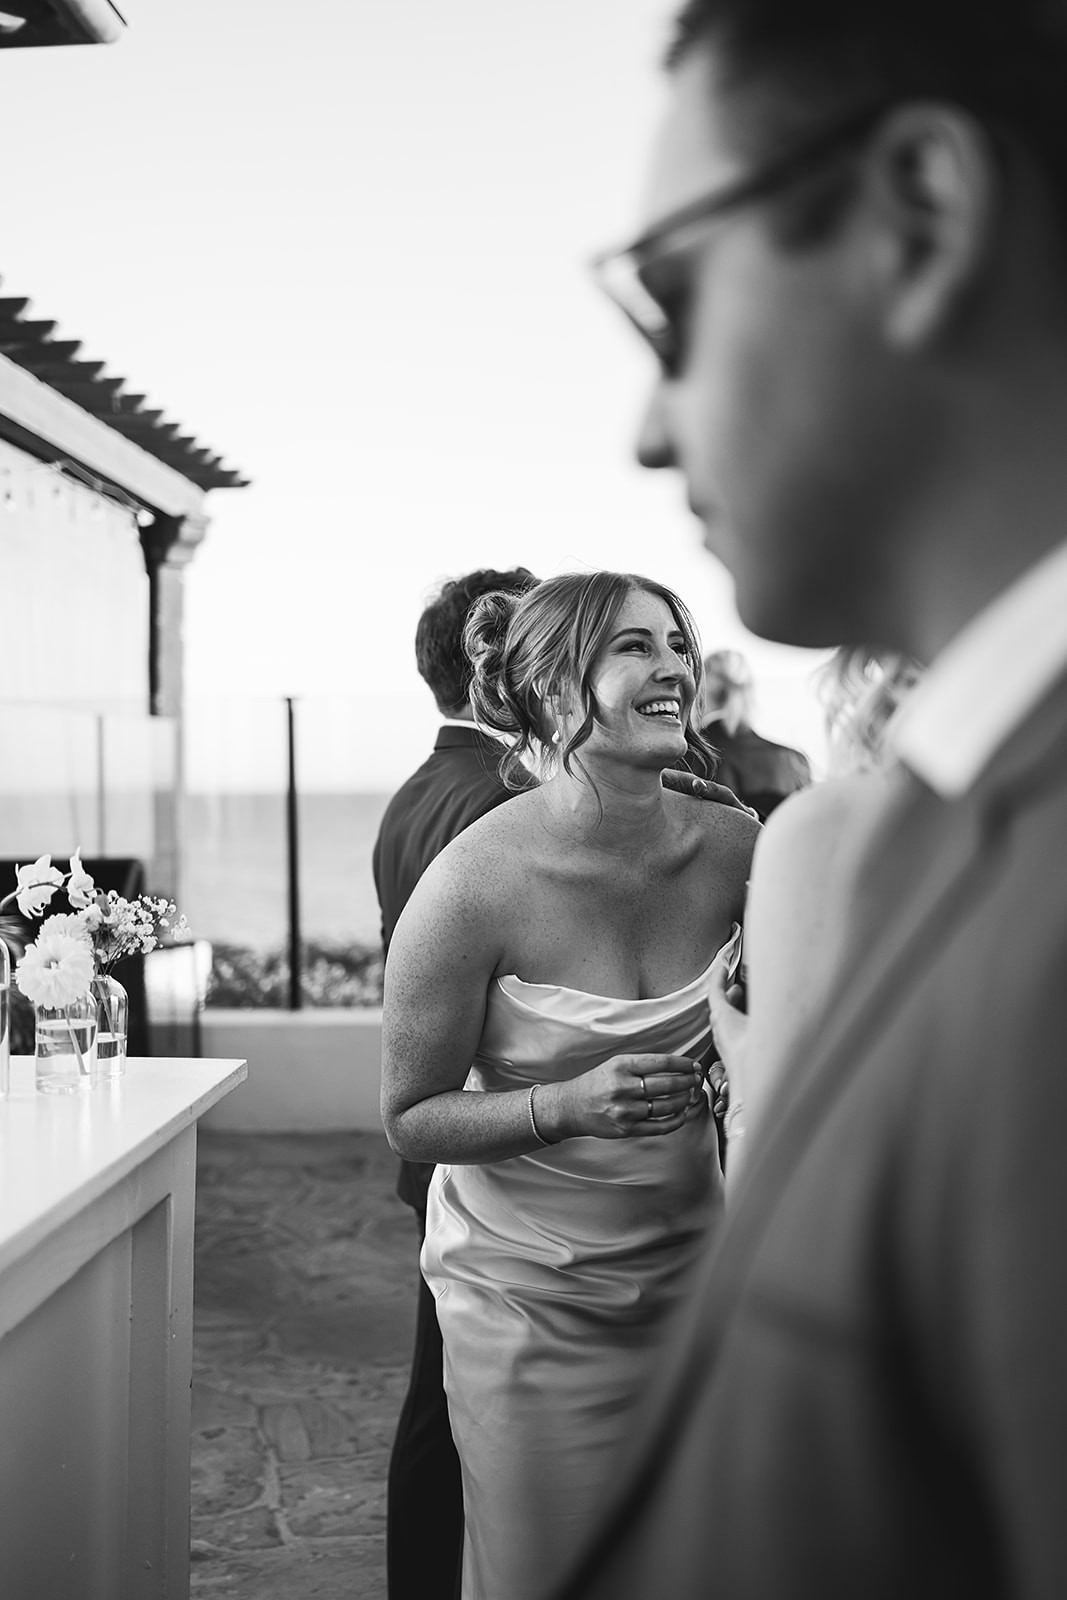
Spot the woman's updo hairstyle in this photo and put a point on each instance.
(534, 651)
(484, 640)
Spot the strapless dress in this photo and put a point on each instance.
(555, 1276)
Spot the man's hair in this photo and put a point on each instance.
(439, 652)
(1004, 61)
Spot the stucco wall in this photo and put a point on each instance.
(308, 1071)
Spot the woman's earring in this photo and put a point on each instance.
(555, 737)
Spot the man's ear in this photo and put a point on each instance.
(933, 186)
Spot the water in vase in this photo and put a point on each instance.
(110, 1056)
(59, 1070)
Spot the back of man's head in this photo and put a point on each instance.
(1005, 61)
(439, 652)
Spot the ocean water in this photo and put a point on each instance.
(235, 876)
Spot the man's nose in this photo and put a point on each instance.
(654, 447)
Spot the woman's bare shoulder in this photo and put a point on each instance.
(481, 863)
(730, 831)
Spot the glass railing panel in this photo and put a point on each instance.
(339, 810)
(234, 873)
(139, 771)
(51, 780)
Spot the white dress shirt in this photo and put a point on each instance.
(986, 682)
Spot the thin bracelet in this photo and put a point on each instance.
(533, 1120)
(733, 1114)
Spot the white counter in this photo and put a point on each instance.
(96, 1235)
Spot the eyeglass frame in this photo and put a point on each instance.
(724, 201)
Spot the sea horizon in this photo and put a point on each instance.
(235, 866)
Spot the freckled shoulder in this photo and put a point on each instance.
(730, 834)
(482, 864)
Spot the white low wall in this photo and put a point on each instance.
(311, 1071)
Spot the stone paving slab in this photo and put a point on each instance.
(351, 1570)
(304, 1308)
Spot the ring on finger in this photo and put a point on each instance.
(644, 1088)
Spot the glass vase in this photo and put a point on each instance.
(5, 1021)
(112, 1012)
(65, 1046)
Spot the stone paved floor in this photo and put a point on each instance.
(304, 1316)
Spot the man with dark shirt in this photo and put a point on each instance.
(456, 784)
(760, 772)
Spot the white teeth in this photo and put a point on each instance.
(657, 708)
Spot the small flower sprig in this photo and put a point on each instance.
(118, 927)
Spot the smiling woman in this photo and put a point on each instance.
(545, 1030)
(572, 630)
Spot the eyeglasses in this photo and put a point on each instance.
(619, 272)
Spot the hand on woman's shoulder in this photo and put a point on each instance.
(730, 827)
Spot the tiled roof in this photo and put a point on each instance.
(25, 24)
(33, 345)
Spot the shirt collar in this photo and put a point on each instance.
(985, 683)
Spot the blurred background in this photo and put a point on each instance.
(346, 245)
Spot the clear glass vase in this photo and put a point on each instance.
(5, 1021)
(112, 1012)
(65, 1046)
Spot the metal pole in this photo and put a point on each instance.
(293, 849)
(101, 790)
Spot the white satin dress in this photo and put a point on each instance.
(555, 1275)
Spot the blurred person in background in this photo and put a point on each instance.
(457, 783)
(853, 273)
(544, 1034)
(801, 887)
(760, 772)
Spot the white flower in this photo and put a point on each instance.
(80, 886)
(74, 927)
(37, 884)
(92, 917)
(55, 971)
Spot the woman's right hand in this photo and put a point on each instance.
(627, 1097)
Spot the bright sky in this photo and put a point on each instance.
(344, 243)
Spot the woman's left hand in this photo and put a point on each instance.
(719, 1084)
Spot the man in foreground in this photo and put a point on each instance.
(854, 274)
(456, 784)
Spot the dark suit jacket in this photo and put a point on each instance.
(869, 1398)
(760, 772)
(455, 786)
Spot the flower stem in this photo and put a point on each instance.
(105, 1000)
(73, 1039)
